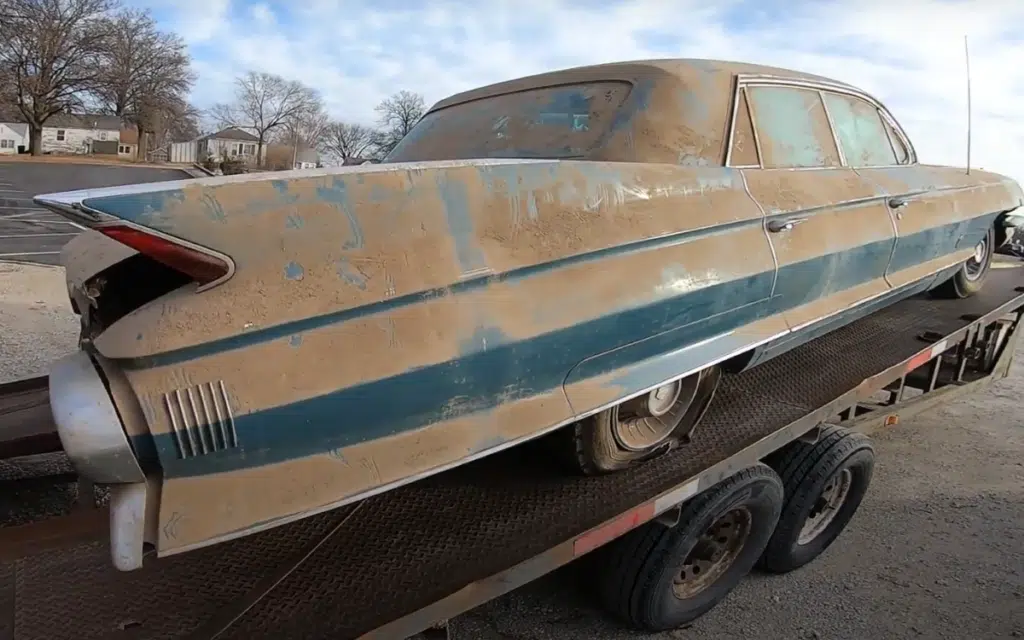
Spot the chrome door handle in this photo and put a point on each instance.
(898, 203)
(778, 226)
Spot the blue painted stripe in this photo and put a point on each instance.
(484, 379)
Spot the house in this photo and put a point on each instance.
(232, 142)
(280, 157)
(12, 136)
(306, 159)
(128, 143)
(66, 133)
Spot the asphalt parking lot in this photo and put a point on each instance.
(31, 234)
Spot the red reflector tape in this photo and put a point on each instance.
(608, 532)
(919, 359)
(926, 355)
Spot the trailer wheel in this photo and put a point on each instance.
(658, 577)
(644, 427)
(825, 483)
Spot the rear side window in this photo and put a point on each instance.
(553, 122)
(744, 146)
(792, 128)
(861, 132)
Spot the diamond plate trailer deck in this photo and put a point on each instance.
(396, 563)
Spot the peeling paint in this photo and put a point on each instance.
(294, 271)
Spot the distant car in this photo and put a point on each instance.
(585, 250)
(1013, 230)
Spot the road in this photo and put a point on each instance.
(31, 234)
(936, 551)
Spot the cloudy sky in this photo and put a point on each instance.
(908, 53)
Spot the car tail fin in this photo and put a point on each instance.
(202, 264)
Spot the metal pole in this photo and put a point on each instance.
(967, 60)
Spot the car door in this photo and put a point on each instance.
(921, 199)
(829, 228)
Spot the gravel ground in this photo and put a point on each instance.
(36, 322)
(936, 550)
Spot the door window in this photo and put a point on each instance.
(861, 132)
(792, 128)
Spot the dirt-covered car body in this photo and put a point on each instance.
(531, 253)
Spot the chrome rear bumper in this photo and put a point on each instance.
(88, 425)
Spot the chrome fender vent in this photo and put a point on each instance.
(201, 419)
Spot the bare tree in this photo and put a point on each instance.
(146, 73)
(175, 121)
(308, 129)
(397, 115)
(345, 142)
(267, 103)
(52, 49)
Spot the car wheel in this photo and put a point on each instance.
(643, 427)
(658, 577)
(971, 276)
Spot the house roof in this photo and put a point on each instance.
(84, 121)
(19, 128)
(232, 133)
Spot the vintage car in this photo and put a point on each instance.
(585, 250)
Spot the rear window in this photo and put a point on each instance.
(567, 121)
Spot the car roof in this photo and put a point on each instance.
(668, 69)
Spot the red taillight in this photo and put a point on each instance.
(199, 266)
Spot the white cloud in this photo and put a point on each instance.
(909, 54)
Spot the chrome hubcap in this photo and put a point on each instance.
(647, 420)
(975, 265)
(979, 251)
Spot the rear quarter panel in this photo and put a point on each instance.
(425, 317)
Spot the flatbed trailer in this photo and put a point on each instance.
(406, 561)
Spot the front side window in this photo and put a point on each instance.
(60, 135)
(861, 131)
(792, 128)
(551, 122)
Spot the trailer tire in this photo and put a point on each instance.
(838, 467)
(640, 574)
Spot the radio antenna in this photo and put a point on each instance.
(967, 60)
